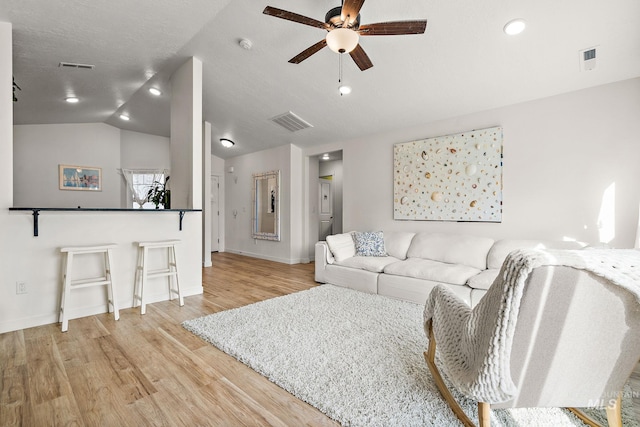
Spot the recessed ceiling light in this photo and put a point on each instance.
(124, 117)
(72, 99)
(325, 156)
(344, 90)
(227, 143)
(515, 26)
(155, 91)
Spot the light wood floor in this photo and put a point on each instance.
(148, 371)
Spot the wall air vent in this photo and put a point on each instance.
(291, 122)
(588, 59)
(75, 65)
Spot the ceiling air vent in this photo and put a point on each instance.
(588, 59)
(75, 65)
(291, 122)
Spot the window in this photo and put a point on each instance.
(139, 182)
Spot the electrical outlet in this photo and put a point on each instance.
(21, 288)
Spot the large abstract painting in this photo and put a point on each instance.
(449, 178)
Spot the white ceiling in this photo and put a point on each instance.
(463, 63)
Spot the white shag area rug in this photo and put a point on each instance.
(356, 357)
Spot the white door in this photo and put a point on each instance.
(326, 208)
(215, 213)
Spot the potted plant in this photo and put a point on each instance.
(159, 194)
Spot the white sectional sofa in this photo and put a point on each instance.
(410, 265)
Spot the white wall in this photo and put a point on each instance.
(297, 192)
(144, 151)
(43, 147)
(39, 149)
(560, 156)
(238, 191)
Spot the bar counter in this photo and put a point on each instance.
(35, 211)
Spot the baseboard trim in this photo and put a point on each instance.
(28, 322)
(270, 258)
(51, 318)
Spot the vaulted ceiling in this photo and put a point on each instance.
(463, 63)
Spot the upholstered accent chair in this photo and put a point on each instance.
(573, 341)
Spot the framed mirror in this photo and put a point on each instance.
(266, 205)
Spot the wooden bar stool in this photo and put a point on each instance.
(68, 254)
(143, 273)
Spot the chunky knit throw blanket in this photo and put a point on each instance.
(475, 344)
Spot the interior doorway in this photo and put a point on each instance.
(323, 220)
(330, 180)
(325, 207)
(215, 213)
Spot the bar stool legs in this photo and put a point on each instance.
(69, 254)
(143, 273)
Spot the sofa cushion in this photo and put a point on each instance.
(416, 290)
(354, 278)
(456, 274)
(397, 243)
(369, 243)
(341, 246)
(484, 279)
(375, 264)
(502, 248)
(451, 248)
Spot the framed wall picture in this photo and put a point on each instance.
(83, 178)
(449, 178)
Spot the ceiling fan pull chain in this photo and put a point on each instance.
(340, 73)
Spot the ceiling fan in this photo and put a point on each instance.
(344, 30)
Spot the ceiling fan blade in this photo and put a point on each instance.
(308, 52)
(351, 9)
(393, 28)
(290, 16)
(361, 58)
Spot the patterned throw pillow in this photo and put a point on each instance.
(369, 243)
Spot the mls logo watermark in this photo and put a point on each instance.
(610, 400)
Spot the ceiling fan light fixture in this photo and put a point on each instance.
(227, 143)
(342, 40)
(515, 26)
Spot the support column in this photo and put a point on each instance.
(186, 136)
(6, 117)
